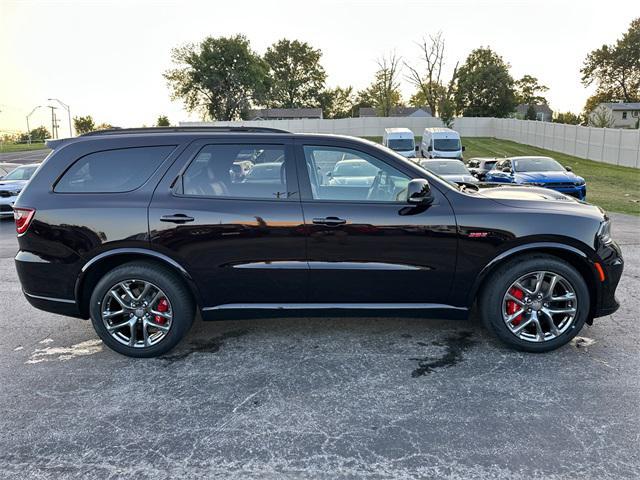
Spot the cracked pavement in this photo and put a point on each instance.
(319, 397)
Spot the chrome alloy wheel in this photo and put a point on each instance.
(136, 313)
(539, 306)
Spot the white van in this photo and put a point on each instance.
(441, 143)
(400, 140)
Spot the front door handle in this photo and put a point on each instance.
(177, 218)
(329, 221)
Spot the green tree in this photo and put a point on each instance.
(163, 121)
(219, 77)
(484, 86)
(528, 90)
(104, 126)
(384, 92)
(531, 112)
(601, 117)
(39, 134)
(83, 124)
(615, 69)
(568, 118)
(337, 102)
(297, 78)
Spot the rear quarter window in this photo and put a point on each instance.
(113, 171)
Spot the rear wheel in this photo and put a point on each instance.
(536, 304)
(140, 309)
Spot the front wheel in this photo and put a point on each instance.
(140, 309)
(536, 304)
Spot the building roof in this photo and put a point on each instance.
(266, 113)
(622, 106)
(398, 112)
(539, 108)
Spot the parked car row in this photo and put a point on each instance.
(13, 178)
(440, 152)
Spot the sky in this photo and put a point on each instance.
(106, 58)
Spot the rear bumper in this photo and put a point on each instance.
(58, 306)
(47, 285)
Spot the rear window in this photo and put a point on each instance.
(113, 171)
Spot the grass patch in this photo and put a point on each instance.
(20, 147)
(614, 188)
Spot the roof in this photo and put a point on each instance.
(622, 106)
(266, 113)
(397, 112)
(119, 132)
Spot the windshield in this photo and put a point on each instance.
(401, 144)
(489, 165)
(354, 169)
(537, 164)
(446, 144)
(21, 173)
(446, 168)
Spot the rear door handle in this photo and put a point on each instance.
(177, 218)
(330, 221)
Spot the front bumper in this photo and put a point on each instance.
(613, 266)
(6, 206)
(579, 192)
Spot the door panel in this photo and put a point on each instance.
(374, 249)
(238, 250)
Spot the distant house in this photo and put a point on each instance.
(543, 112)
(284, 113)
(398, 112)
(624, 115)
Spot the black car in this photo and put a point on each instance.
(139, 229)
(480, 166)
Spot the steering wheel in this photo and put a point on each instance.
(380, 190)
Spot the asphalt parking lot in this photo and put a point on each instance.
(319, 397)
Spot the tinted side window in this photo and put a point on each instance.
(242, 171)
(113, 171)
(343, 174)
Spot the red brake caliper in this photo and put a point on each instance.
(513, 307)
(163, 306)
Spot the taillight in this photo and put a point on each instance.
(23, 217)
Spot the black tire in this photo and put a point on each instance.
(490, 301)
(169, 282)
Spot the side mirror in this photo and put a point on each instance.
(429, 148)
(463, 148)
(417, 148)
(569, 169)
(329, 174)
(419, 192)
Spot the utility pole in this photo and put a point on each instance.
(53, 120)
(29, 128)
(66, 107)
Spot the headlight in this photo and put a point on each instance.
(536, 184)
(604, 233)
(17, 192)
(579, 183)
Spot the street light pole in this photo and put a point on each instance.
(66, 107)
(28, 128)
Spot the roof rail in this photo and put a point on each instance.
(123, 131)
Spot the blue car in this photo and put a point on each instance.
(538, 171)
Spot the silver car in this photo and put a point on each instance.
(11, 185)
(452, 170)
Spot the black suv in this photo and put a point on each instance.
(140, 229)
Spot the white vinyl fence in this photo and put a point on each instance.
(609, 145)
